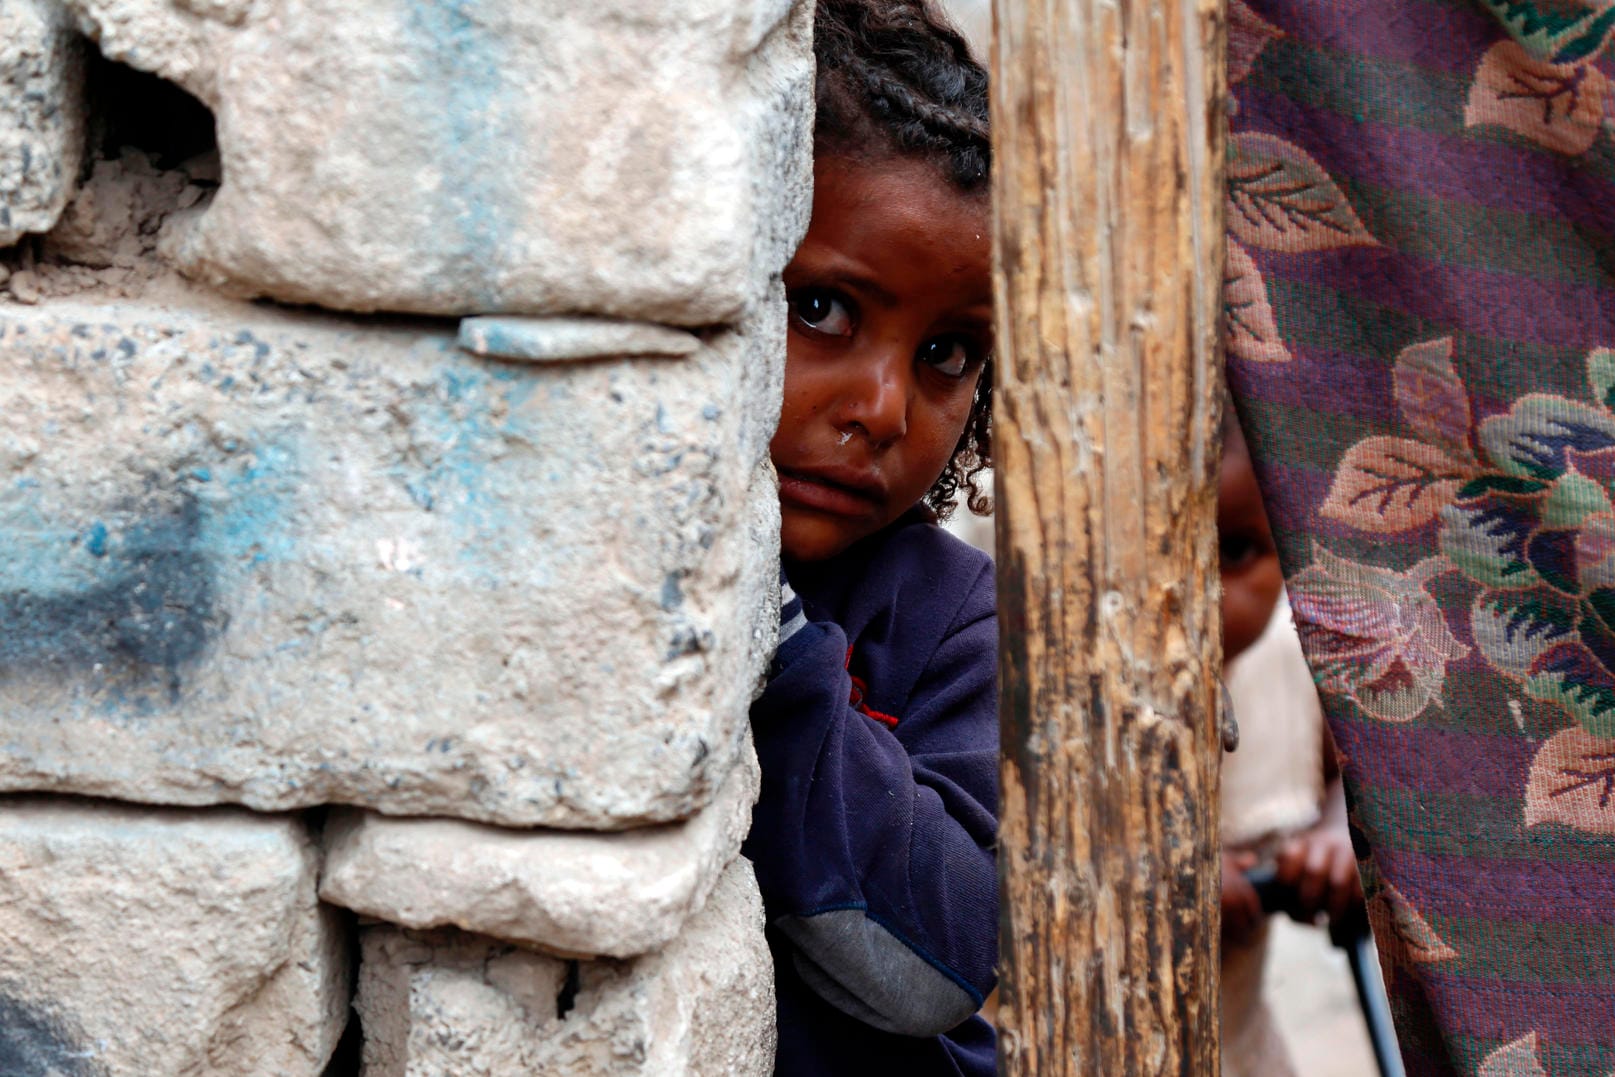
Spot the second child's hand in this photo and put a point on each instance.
(1320, 867)
(1275, 895)
(1242, 911)
(1319, 864)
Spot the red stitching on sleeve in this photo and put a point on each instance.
(855, 699)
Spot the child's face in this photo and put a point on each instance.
(1251, 578)
(890, 320)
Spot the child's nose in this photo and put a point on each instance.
(878, 402)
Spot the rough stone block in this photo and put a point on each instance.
(448, 1004)
(569, 892)
(182, 943)
(282, 559)
(637, 158)
(42, 121)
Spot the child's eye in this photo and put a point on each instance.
(1239, 551)
(823, 311)
(950, 355)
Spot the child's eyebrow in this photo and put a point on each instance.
(865, 283)
(981, 313)
(830, 266)
(873, 287)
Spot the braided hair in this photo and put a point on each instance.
(895, 79)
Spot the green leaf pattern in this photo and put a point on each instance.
(1531, 524)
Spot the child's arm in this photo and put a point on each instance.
(875, 846)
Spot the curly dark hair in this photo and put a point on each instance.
(896, 79)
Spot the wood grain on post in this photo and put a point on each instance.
(1107, 135)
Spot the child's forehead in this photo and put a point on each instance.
(869, 181)
(901, 198)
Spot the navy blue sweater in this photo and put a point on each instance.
(874, 835)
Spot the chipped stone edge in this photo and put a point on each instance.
(645, 883)
(572, 340)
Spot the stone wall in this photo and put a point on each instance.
(387, 537)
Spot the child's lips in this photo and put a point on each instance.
(835, 492)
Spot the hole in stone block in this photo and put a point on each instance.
(133, 109)
(347, 1060)
(347, 1057)
(150, 155)
(569, 991)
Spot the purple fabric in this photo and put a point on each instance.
(1421, 345)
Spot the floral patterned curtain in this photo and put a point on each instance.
(1420, 305)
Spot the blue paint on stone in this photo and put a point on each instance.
(247, 521)
(459, 47)
(473, 419)
(95, 541)
(148, 607)
(35, 1042)
(125, 595)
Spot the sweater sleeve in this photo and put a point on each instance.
(874, 845)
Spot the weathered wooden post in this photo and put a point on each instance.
(1108, 135)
